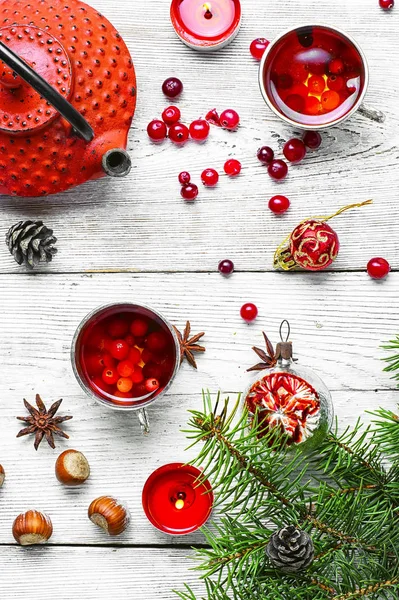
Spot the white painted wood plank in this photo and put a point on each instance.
(141, 223)
(93, 573)
(338, 323)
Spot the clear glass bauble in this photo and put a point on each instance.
(292, 399)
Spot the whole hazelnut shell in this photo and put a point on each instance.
(2, 476)
(109, 514)
(32, 528)
(72, 468)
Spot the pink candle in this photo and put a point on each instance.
(206, 25)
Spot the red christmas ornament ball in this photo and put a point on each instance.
(314, 245)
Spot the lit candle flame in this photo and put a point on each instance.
(208, 7)
(179, 504)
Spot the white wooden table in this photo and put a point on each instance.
(136, 239)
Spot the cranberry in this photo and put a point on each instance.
(172, 87)
(199, 130)
(378, 268)
(258, 47)
(278, 169)
(387, 4)
(312, 139)
(249, 312)
(110, 376)
(330, 100)
(157, 341)
(179, 133)
(213, 117)
(139, 327)
(171, 115)
(279, 204)
(125, 368)
(294, 150)
(184, 178)
(129, 339)
(108, 360)
(134, 356)
(189, 192)
(210, 177)
(265, 155)
(335, 83)
(124, 385)
(226, 267)
(336, 66)
(117, 328)
(157, 130)
(229, 119)
(119, 349)
(232, 167)
(151, 385)
(137, 376)
(316, 84)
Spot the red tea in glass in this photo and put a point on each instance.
(314, 76)
(125, 355)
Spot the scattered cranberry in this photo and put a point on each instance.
(110, 376)
(294, 150)
(258, 47)
(213, 117)
(157, 130)
(124, 385)
(265, 155)
(199, 130)
(278, 169)
(229, 119)
(151, 385)
(171, 115)
(232, 167)
(119, 349)
(249, 312)
(210, 177)
(312, 139)
(387, 4)
(226, 267)
(279, 204)
(139, 327)
(189, 192)
(179, 133)
(172, 87)
(184, 178)
(378, 268)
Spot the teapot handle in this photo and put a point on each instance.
(40, 85)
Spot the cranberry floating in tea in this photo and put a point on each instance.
(286, 399)
(125, 356)
(315, 77)
(67, 97)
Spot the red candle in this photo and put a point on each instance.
(206, 25)
(175, 500)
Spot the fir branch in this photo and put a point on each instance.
(393, 360)
(370, 589)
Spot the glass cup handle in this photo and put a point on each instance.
(144, 422)
(372, 113)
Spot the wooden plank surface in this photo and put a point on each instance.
(158, 250)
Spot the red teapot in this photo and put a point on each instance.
(67, 97)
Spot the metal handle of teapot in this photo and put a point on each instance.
(42, 87)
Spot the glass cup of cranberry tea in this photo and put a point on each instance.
(314, 77)
(125, 356)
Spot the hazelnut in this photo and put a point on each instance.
(32, 528)
(108, 513)
(72, 468)
(2, 476)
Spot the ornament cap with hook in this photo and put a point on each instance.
(284, 347)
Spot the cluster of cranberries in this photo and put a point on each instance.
(124, 359)
(209, 177)
(228, 119)
(170, 126)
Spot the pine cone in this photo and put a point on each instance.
(30, 243)
(290, 550)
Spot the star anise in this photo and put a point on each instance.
(269, 360)
(189, 345)
(42, 422)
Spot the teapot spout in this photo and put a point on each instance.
(117, 163)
